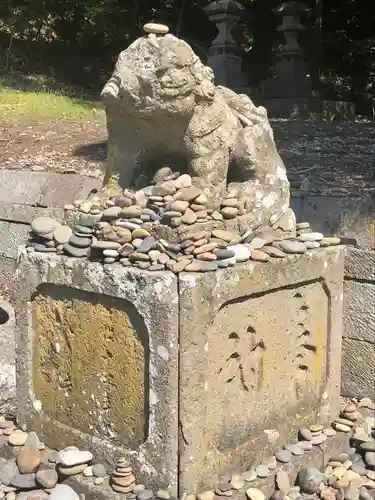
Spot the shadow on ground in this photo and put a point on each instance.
(96, 151)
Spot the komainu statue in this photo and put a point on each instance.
(163, 108)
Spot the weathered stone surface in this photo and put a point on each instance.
(92, 340)
(7, 345)
(63, 492)
(85, 328)
(172, 104)
(358, 368)
(359, 323)
(240, 334)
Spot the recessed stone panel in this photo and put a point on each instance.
(260, 358)
(90, 363)
(268, 347)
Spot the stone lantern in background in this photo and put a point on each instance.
(223, 53)
(291, 69)
(289, 92)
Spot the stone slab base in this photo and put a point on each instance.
(189, 376)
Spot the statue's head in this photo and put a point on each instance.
(159, 74)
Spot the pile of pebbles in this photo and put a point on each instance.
(38, 473)
(123, 229)
(347, 476)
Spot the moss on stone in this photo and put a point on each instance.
(89, 367)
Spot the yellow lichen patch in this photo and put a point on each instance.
(90, 364)
(111, 186)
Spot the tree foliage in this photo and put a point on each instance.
(82, 37)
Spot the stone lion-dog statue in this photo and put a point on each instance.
(163, 108)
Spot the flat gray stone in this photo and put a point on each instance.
(7, 471)
(310, 236)
(359, 468)
(99, 470)
(262, 471)
(292, 247)
(79, 242)
(370, 458)
(295, 449)
(63, 492)
(82, 229)
(23, 481)
(305, 434)
(76, 252)
(283, 456)
(89, 220)
(145, 494)
(368, 446)
(39, 247)
(70, 458)
(123, 201)
(111, 213)
(47, 478)
(146, 245)
(44, 225)
(224, 253)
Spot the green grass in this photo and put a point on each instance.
(39, 105)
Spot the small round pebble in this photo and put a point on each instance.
(292, 247)
(47, 478)
(316, 427)
(163, 495)
(145, 494)
(305, 434)
(328, 431)
(262, 471)
(99, 470)
(250, 475)
(283, 456)
(237, 481)
(63, 492)
(295, 449)
(310, 236)
(254, 494)
(17, 438)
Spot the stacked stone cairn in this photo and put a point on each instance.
(38, 473)
(128, 229)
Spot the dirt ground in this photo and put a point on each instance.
(333, 158)
(61, 146)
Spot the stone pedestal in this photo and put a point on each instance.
(260, 349)
(98, 361)
(189, 376)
